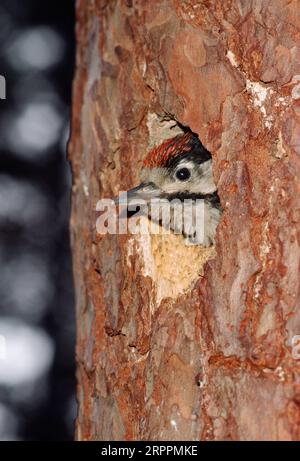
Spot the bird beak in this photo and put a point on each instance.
(140, 195)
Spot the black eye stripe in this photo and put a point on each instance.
(183, 174)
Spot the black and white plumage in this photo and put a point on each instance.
(179, 172)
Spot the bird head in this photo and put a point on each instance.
(180, 168)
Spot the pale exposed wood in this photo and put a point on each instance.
(165, 352)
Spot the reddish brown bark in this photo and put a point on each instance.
(167, 348)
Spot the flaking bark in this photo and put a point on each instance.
(176, 343)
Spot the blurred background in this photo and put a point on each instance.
(37, 325)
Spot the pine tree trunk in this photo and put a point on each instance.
(178, 343)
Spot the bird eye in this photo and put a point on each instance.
(183, 174)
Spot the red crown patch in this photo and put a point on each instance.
(169, 149)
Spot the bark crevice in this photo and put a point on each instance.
(186, 344)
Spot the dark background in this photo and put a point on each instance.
(37, 325)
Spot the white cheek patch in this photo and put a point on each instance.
(201, 180)
(205, 184)
(206, 167)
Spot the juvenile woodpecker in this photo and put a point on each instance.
(180, 168)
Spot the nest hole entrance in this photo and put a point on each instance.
(173, 265)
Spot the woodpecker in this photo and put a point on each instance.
(179, 171)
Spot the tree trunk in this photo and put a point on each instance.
(176, 342)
